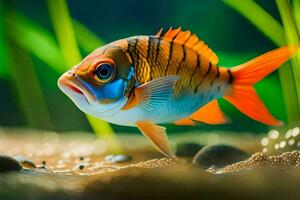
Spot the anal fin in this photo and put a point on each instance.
(157, 135)
(210, 114)
(185, 122)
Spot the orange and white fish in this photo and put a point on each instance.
(143, 81)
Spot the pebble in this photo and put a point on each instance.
(118, 158)
(188, 149)
(8, 163)
(25, 162)
(218, 156)
(81, 167)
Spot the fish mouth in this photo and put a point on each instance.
(70, 85)
(75, 89)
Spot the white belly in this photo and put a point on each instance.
(168, 112)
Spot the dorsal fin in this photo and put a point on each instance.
(190, 40)
(159, 32)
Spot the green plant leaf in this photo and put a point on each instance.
(262, 20)
(292, 38)
(296, 7)
(63, 28)
(35, 38)
(86, 39)
(3, 51)
(27, 89)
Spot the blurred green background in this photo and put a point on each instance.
(39, 40)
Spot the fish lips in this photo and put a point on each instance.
(71, 83)
(73, 88)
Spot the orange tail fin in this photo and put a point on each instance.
(242, 94)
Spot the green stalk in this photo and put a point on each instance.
(27, 89)
(3, 55)
(292, 39)
(261, 19)
(296, 7)
(19, 67)
(288, 89)
(41, 43)
(86, 39)
(272, 29)
(63, 28)
(34, 38)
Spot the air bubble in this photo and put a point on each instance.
(282, 144)
(264, 150)
(273, 134)
(291, 142)
(296, 131)
(265, 141)
(289, 134)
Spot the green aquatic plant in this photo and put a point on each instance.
(87, 40)
(296, 8)
(36, 39)
(3, 70)
(42, 44)
(279, 35)
(63, 28)
(27, 88)
(23, 78)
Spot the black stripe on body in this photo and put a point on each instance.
(157, 49)
(217, 76)
(203, 77)
(150, 42)
(169, 58)
(207, 72)
(230, 79)
(198, 61)
(135, 45)
(218, 72)
(182, 60)
(129, 50)
(195, 69)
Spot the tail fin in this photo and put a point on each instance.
(242, 94)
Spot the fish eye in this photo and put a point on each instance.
(104, 72)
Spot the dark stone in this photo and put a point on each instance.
(118, 158)
(81, 167)
(25, 162)
(219, 156)
(8, 163)
(188, 149)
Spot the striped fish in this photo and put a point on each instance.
(143, 81)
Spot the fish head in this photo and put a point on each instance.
(99, 84)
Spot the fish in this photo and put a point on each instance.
(173, 77)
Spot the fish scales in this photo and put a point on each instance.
(171, 58)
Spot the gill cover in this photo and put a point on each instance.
(112, 90)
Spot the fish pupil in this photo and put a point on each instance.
(104, 71)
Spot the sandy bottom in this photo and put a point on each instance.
(73, 166)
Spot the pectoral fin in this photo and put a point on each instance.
(152, 94)
(157, 135)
